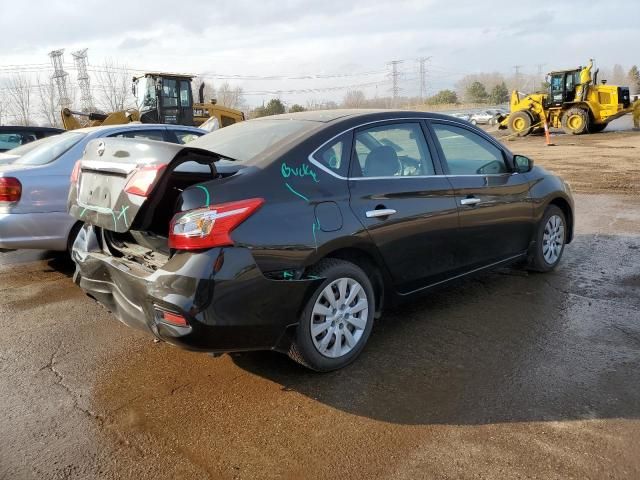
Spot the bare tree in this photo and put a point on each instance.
(209, 92)
(114, 86)
(49, 102)
(232, 97)
(354, 99)
(19, 98)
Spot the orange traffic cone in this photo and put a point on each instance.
(546, 132)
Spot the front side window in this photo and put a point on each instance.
(145, 93)
(396, 150)
(467, 153)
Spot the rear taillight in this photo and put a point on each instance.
(75, 173)
(210, 226)
(143, 179)
(10, 189)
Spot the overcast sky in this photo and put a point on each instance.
(294, 38)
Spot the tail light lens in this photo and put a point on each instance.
(10, 189)
(75, 173)
(210, 226)
(143, 179)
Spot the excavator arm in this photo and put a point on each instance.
(71, 120)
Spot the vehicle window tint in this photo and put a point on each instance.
(335, 156)
(169, 92)
(392, 151)
(48, 149)
(226, 121)
(186, 136)
(142, 134)
(185, 89)
(467, 153)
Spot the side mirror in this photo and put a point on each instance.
(522, 164)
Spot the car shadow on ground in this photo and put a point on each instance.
(503, 347)
(508, 346)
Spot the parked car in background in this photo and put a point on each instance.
(327, 218)
(35, 183)
(462, 116)
(14, 136)
(487, 117)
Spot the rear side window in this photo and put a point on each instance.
(15, 139)
(335, 155)
(184, 136)
(393, 150)
(142, 134)
(467, 153)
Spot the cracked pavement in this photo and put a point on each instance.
(507, 375)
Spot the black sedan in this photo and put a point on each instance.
(294, 232)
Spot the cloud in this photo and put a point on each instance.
(130, 43)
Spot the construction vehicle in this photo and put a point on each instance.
(565, 105)
(161, 98)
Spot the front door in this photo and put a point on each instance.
(408, 210)
(496, 214)
(176, 104)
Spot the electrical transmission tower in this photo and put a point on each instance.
(395, 78)
(423, 77)
(517, 75)
(84, 82)
(60, 77)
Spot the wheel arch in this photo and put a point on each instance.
(564, 205)
(372, 266)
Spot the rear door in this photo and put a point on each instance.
(409, 211)
(496, 214)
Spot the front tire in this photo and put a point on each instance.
(338, 318)
(550, 240)
(520, 123)
(575, 121)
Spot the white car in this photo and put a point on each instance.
(34, 183)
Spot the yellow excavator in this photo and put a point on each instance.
(575, 102)
(161, 98)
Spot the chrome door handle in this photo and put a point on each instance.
(380, 212)
(470, 201)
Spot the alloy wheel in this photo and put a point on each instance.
(553, 239)
(339, 317)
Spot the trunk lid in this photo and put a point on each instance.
(116, 178)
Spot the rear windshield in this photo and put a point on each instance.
(48, 149)
(244, 141)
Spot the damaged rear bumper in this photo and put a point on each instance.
(229, 305)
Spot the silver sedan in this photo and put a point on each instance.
(34, 183)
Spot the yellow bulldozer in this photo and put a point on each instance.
(574, 102)
(161, 98)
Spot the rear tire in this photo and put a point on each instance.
(575, 121)
(551, 237)
(336, 323)
(72, 237)
(520, 123)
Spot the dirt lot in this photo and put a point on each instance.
(509, 375)
(604, 162)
